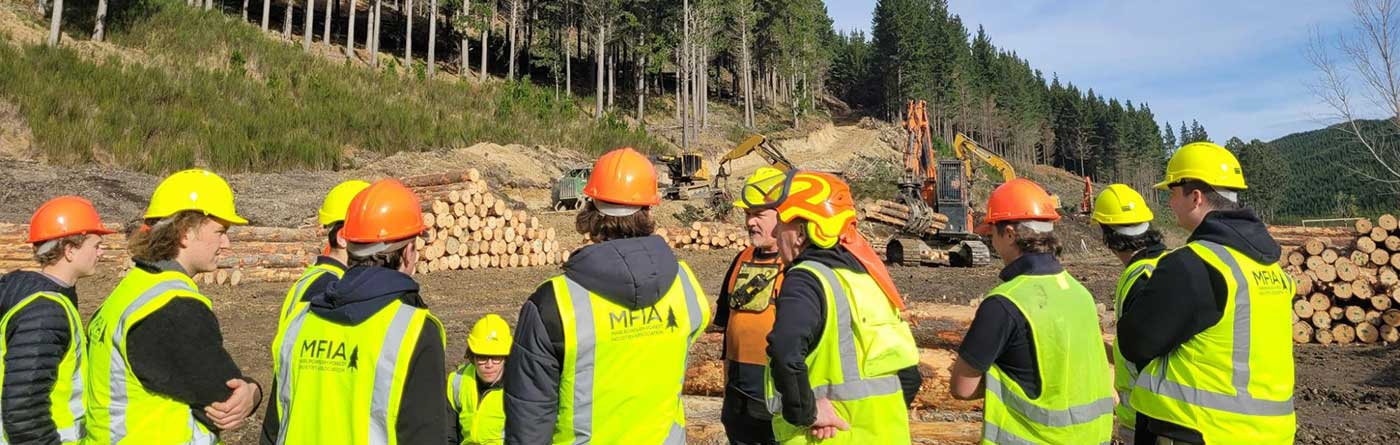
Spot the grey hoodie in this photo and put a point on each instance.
(633, 272)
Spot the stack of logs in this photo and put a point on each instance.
(705, 236)
(1348, 281)
(471, 228)
(898, 215)
(255, 254)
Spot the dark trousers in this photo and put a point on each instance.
(746, 421)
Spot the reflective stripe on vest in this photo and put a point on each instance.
(853, 387)
(312, 274)
(586, 333)
(991, 433)
(1125, 371)
(1073, 415)
(117, 365)
(73, 357)
(383, 373)
(456, 393)
(1242, 402)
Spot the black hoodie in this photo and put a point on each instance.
(1186, 296)
(36, 340)
(358, 295)
(797, 328)
(632, 272)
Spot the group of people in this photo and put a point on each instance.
(817, 347)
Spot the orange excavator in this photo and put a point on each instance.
(934, 190)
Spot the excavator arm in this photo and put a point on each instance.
(757, 144)
(964, 147)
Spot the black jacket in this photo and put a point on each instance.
(357, 296)
(633, 272)
(37, 338)
(1186, 296)
(193, 370)
(798, 327)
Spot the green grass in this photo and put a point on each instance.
(220, 94)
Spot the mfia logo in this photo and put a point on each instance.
(631, 324)
(1270, 278)
(328, 355)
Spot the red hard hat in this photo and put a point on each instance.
(623, 176)
(387, 211)
(65, 216)
(1018, 200)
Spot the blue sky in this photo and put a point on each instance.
(1237, 66)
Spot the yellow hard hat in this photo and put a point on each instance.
(1121, 205)
(1205, 162)
(759, 184)
(337, 202)
(490, 336)
(195, 189)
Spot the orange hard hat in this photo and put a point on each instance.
(1018, 200)
(387, 211)
(822, 199)
(624, 177)
(65, 216)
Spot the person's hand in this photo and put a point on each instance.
(232, 413)
(827, 423)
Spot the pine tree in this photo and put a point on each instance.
(1169, 137)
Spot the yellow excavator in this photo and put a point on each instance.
(965, 148)
(691, 176)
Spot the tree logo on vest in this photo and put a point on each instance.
(634, 324)
(328, 356)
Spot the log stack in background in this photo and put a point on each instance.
(1348, 281)
(705, 236)
(470, 228)
(255, 254)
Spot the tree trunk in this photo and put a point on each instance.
(374, 35)
(704, 69)
(267, 11)
(568, 63)
(612, 77)
(408, 37)
(432, 38)
(641, 86)
(99, 30)
(326, 25)
(486, 36)
(245, 10)
(350, 31)
(465, 49)
(748, 69)
(208, 5)
(287, 20)
(598, 73)
(55, 22)
(513, 28)
(307, 29)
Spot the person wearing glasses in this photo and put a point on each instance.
(474, 390)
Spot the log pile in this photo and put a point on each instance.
(255, 254)
(897, 215)
(1348, 281)
(705, 236)
(470, 228)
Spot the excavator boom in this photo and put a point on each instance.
(964, 147)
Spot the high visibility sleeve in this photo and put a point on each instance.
(797, 328)
(37, 339)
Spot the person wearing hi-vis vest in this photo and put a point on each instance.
(600, 351)
(1211, 333)
(157, 370)
(330, 265)
(1125, 220)
(1034, 351)
(745, 313)
(838, 342)
(474, 390)
(363, 362)
(41, 390)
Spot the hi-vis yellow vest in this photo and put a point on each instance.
(1076, 392)
(479, 421)
(66, 397)
(120, 410)
(839, 367)
(623, 367)
(1124, 373)
(342, 384)
(1232, 382)
(293, 300)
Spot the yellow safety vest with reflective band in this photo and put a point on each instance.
(1232, 382)
(66, 396)
(836, 368)
(623, 367)
(293, 300)
(1124, 372)
(120, 410)
(341, 383)
(1075, 405)
(479, 421)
